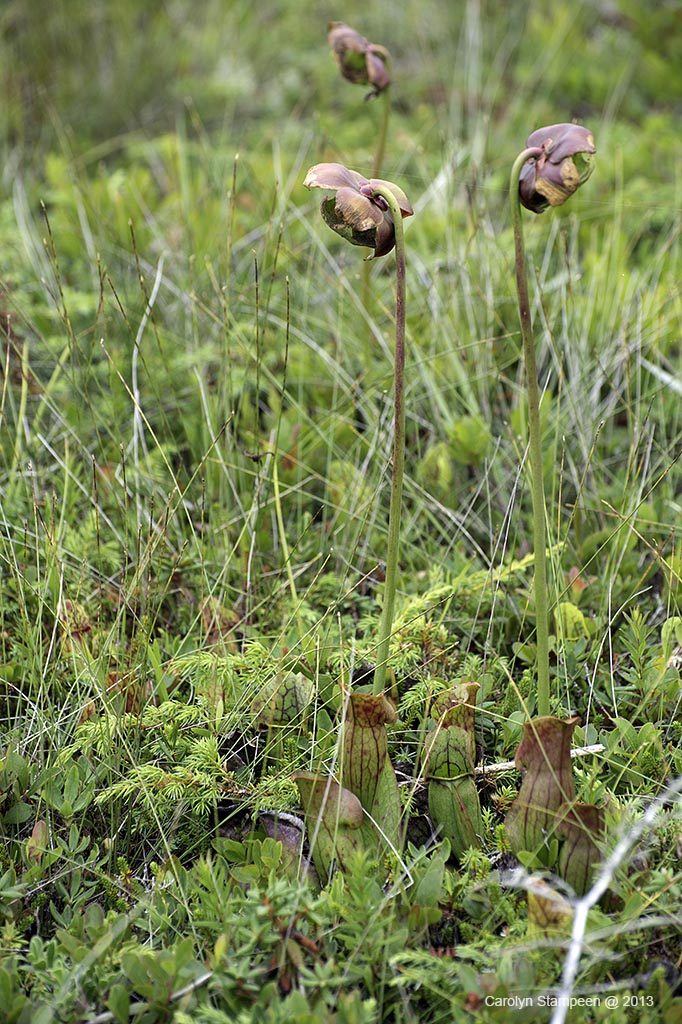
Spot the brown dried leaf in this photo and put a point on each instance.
(37, 844)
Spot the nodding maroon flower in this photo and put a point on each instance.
(566, 162)
(359, 61)
(356, 212)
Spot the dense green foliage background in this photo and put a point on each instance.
(194, 444)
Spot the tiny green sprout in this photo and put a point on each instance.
(358, 211)
(360, 61)
(564, 162)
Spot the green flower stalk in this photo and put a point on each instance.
(556, 161)
(370, 212)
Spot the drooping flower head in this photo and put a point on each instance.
(356, 212)
(359, 61)
(566, 162)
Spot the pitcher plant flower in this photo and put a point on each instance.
(364, 63)
(358, 212)
(370, 211)
(359, 61)
(564, 163)
(556, 161)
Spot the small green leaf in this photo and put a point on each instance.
(119, 1003)
(429, 888)
(245, 874)
(470, 440)
(71, 787)
(6, 988)
(271, 853)
(135, 971)
(18, 813)
(570, 622)
(234, 852)
(42, 1015)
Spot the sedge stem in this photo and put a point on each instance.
(383, 133)
(535, 438)
(386, 624)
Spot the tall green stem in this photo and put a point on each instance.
(386, 625)
(383, 133)
(535, 431)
